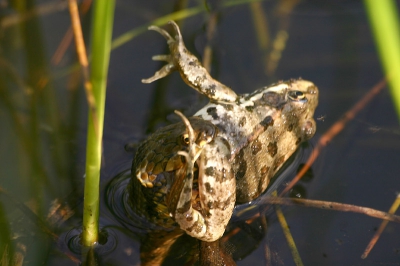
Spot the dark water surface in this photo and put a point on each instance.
(43, 126)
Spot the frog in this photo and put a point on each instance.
(254, 134)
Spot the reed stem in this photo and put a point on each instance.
(103, 15)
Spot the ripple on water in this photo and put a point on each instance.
(116, 199)
(117, 196)
(107, 241)
(110, 235)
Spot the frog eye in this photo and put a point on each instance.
(186, 139)
(296, 95)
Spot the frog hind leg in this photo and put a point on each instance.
(190, 69)
(217, 193)
(217, 187)
(180, 203)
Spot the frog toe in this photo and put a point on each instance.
(162, 32)
(162, 57)
(176, 29)
(163, 72)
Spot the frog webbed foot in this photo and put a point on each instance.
(164, 71)
(189, 67)
(170, 66)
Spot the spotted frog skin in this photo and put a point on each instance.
(253, 135)
(166, 186)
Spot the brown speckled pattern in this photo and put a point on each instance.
(161, 168)
(255, 134)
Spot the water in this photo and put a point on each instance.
(43, 134)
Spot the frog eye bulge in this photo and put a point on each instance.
(297, 96)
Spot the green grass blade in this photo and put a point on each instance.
(127, 36)
(176, 16)
(103, 15)
(384, 21)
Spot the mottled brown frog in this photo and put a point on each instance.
(254, 135)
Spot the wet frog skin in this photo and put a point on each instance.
(264, 129)
(165, 186)
(255, 134)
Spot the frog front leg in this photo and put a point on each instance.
(189, 67)
(217, 190)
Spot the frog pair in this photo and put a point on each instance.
(194, 172)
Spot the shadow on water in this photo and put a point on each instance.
(43, 129)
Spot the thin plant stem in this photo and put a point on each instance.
(41, 10)
(207, 52)
(178, 15)
(67, 39)
(286, 231)
(384, 21)
(378, 233)
(334, 206)
(103, 15)
(326, 205)
(83, 60)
